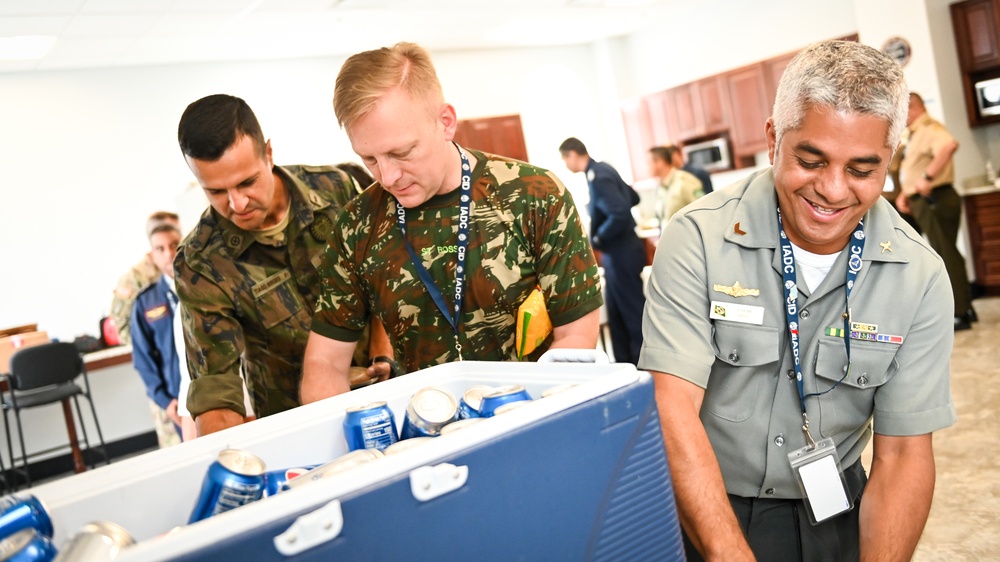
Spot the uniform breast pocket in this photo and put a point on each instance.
(741, 351)
(274, 295)
(849, 406)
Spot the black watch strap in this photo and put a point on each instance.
(394, 370)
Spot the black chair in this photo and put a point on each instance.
(41, 375)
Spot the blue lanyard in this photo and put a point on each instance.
(790, 283)
(464, 204)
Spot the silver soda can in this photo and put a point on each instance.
(341, 464)
(27, 545)
(455, 426)
(370, 426)
(236, 479)
(557, 389)
(96, 542)
(23, 511)
(502, 395)
(429, 410)
(468, 405)
(400, 446)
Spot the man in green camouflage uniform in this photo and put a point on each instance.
(524, 232)
(142, 275)
(246, 274)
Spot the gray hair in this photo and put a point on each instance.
(846, 76)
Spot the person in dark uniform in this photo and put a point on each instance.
(612, 232)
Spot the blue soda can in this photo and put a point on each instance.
(236, 479)
(27, 545)
(276, 479)
(338, 465)
(23, 511)
(97, 541)
(472, 398)
(429, 410)
(502, 395)
(370, 426)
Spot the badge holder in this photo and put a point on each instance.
(821, 479)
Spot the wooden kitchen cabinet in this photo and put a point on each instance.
(662, 122)
(982, 215)
(748, 110)
(976, 25)
(773, 69)
(714, 100)
(638, 135)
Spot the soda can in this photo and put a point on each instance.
(27, 545)
(236, 479)
(23, 511)
(429, 410)
(504, 408)
(276, 479)
(340, 464)
(472, 398)
(455, 426)
(557, 389)
(502, 395)
(98, 541)
(370, 426)
(405, 444)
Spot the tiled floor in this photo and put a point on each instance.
(964, 523)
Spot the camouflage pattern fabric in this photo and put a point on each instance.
(142, 275)
(525, 231)
(248, 306)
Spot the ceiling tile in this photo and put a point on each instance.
(33, 25)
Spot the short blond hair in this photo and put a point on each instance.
(366, 77)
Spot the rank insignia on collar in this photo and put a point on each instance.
(738, 230)
(736, 290)
(886, 246)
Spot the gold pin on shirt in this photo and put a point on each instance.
(736, 290)
(886, 246)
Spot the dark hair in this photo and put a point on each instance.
(358, 172)
(164, 227)
(573, 144)
(665, 153)
(214, 123)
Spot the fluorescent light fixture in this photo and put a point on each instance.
(26, 47)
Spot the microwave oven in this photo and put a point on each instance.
(711, 155)
(988, 97)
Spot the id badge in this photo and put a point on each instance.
(821, 480)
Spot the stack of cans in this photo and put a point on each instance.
(472, 399)
(236, 478)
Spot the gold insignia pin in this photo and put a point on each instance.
(736, 290)
(887, 245)
(736, 229)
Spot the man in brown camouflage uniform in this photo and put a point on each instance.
(524, 232)
(142, 275)
(246, 274)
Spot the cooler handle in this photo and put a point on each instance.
(429, 482)
(567, 355)
(311, 529)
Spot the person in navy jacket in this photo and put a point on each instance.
(153, 351)
(623, 254)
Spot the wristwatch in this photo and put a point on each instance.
(928, 177)
(394, 370)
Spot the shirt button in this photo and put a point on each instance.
(769, 491)
(734, 356)
(863, 380)
(790, 373)
(804, 314)
(779, 440)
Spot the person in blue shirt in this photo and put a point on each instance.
(623, 254)
(154, 353)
